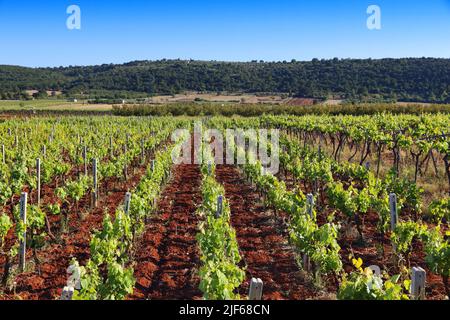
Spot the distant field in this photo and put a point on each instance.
(190, 97)
(198, 100)
(7, 105)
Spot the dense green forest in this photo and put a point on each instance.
(409, 79)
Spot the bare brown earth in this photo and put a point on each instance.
(377, 247)
(262, 239)
(190, 97)
(167, 257)
(46, 280)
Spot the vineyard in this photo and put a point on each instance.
(96, 208)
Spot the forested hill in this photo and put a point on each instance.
(412, 79)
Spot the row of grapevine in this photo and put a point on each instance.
(111, 247)
(120, 144)
(420, 138)
(219, 274)
(354, 201)
(358, 192)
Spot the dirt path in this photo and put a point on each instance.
(262, 239)
(167, 257)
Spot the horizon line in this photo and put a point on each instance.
(221, 61)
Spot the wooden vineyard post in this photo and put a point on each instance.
(394, 210)
(38, 180)
(375, 269)
(394, 214)
(85, 160)
(67, 293)
(126, 206)
(111, 150)
(3, 154)
(44, 150)
(142, 150)
(368, 166)
(310, 205)
(310, 212)
(152, 167)
(306, 263)
(94, 175)
(73, 283)
(219, 206)
(264, 197)
(125, 169)
(256, 289)
(23, 242)
(418, 279)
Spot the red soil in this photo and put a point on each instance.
(167, 257)
(55, 257)
(377, 249)
(262, 239)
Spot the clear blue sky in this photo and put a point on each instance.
(34, 33)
